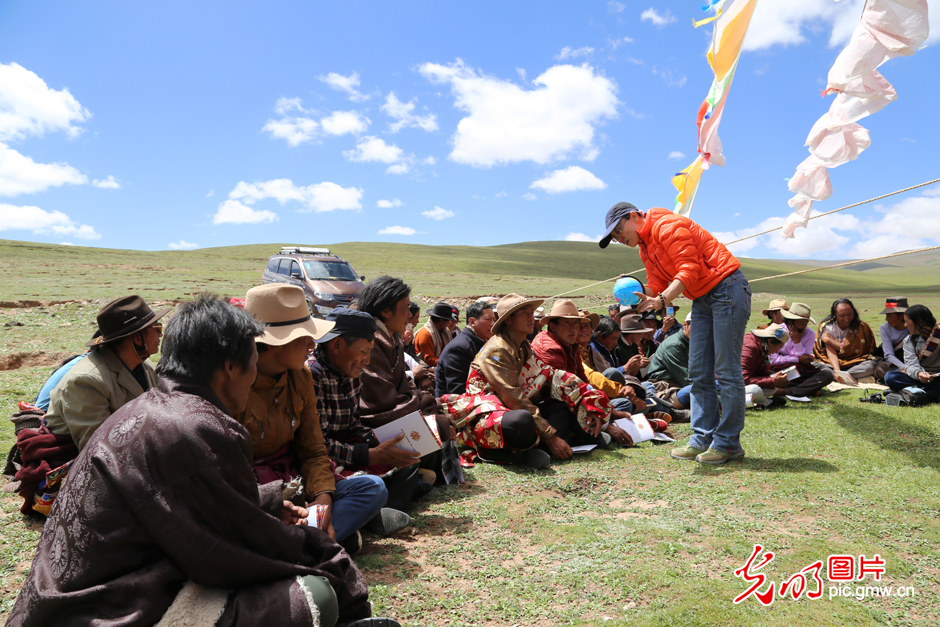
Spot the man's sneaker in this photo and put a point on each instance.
(352, 543)
(387, 522)
(714, 456)
(686, 453)
(681, 415)
(533, 458)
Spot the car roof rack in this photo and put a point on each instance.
(303, 250)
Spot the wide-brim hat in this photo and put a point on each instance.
(124, 317)
(895, 305)
(798, 311)
(510, 304)
(563, 308)
(775, 305)
(539, 312)
(612, 219)
(441, 311)
(282, 309)
(773, 331)
(632, 324)
(593, 317)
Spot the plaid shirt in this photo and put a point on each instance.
(347, 439)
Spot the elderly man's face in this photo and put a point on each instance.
(350, 359)
(610, 342)
(566, 329)
(844, 316)
(483, 326)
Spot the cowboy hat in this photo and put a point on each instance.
(775, 305)
(773, 331)
(798, 311)
(632, 324)
(895, 305)
(510, 304)
(593, 317)
(562, 308)
(124, 317)
(282, 309)
(441, 311)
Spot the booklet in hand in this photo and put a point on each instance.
(845, 378)
(418, 435)
(638, 427)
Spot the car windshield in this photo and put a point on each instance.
(329, 270)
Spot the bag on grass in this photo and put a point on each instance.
(909, 397)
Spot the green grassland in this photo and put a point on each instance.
(620, 537)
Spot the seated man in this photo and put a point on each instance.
(845, 342)
(408, 337)
(116, 371)
(453, 367)
(431, 339)
(759, 346)
(282, 418)
(514, 401)
(669, 367)
(341, 355)
(162, 514)
(604, 344)
(892, 333)
(921, 354)
(633, 349)
(669, 328)
(798, 350)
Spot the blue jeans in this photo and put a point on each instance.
(357, 501)
(719, 320)
(897, 381)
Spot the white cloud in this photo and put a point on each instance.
(571, 179)
(388, 204)
(66, 244)
(675, 154)
(616, 43)
(234, 212)
(342, 122)
(372, 148)
(909, 224)
(211, 193)
(399, 168)
(429, 161)
(294, 130)
(438, 213)
(37, 220)
(502, 194)
(283, 106)
(652, 15)
(347, 84)
(319, 197)
(672, 78)
(615, 7)
(21, 175)
(28, 107)
(573, 53)
(397, 230)
(182, 245)
(581, 237)
(108, 183)
(823, 238)
(404, 113)
(508, 124)
(529, 196)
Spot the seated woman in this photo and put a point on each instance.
(798, 351)
(514, 401)
(845, 342)
(759, 346)
(921, 354)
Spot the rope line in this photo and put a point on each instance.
(847, 263)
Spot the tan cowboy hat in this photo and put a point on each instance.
(798, 311)
(283, 311)
(775, 331)
(539, 312)
(632, 324)
(510, 304)
(775, 305)
(124, 317)
(562, 308)
(593, 317)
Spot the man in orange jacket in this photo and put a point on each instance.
(683, 258)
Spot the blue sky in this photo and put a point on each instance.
(199, 124)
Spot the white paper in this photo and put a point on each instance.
(800, 399)
(639, 428)
(844, 378)
(792, 373)
(662, 437)
(418, 436)
(584, 448)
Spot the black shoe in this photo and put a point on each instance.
(372, 622)
(533, 458)
(352, 543)
(422, 489)
(387, 522)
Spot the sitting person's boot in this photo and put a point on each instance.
(422, 489)
(534, 458)
(387, 522)
(352, 543)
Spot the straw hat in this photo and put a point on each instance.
(895, 305)
(593, 317)
(775, 305)
(798, 311)
(775, 331)
(510, 304)
(124, 317)
(283, 311)
(632, 324)
(563, 308)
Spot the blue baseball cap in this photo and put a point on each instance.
(620, 210)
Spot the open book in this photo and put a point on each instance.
(844, 378)
(640, 429)
(419, 436)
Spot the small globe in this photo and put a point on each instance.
(624, 291)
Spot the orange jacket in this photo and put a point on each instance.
(675, 247)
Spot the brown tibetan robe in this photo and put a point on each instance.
(162, 494)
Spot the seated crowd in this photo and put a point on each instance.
(236, 477)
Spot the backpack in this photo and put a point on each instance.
(909, 396)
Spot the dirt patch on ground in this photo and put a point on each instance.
(31, 359)
(26, 304)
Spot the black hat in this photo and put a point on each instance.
(895, 305)
(350, 322)
(442, 311)
(614, 214)
(649, 314)
(124, 317)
